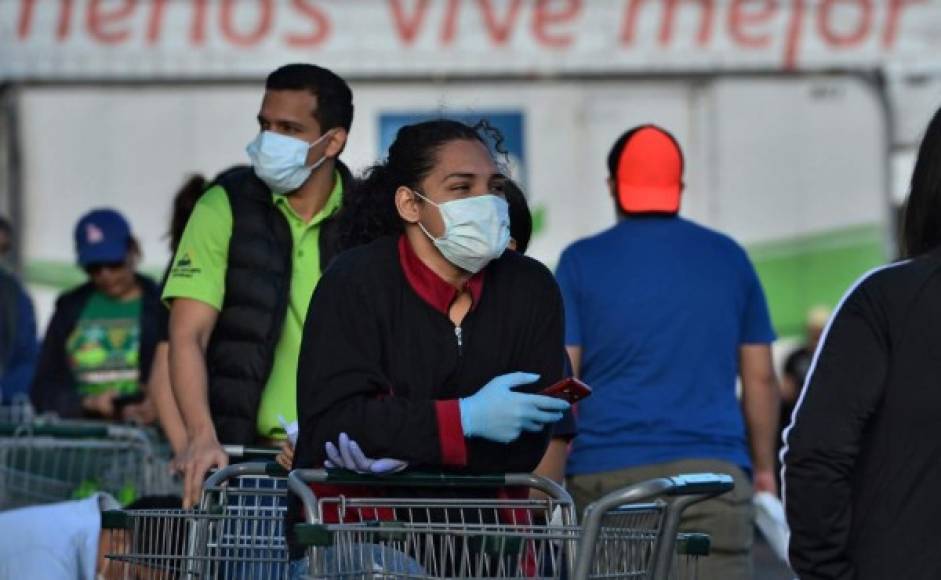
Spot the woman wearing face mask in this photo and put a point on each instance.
(427, 344)
(100, 343)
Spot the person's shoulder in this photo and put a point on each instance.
(717, 239)
(896, 274)
(149, 286)
(900, 281)
(884, 288)
(75, 295)
(523, 265)
(215, 199)
(372, 261)
(232, 178)
(595, 246)
(527, 276)
(211, 219)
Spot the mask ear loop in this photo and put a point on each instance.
(421, 225)
(323, 158)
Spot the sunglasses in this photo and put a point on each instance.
(94, 269)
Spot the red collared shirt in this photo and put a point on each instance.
(432, 288)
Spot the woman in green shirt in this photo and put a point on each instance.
(102, 336)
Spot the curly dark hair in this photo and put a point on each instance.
(521, 218)
(369, 210)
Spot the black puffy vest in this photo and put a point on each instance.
(257, 291)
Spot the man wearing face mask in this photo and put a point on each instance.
(249, 259)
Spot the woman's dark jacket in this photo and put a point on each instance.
(54, 388)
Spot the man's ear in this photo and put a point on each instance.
(613, 190)
(336, 142)
(406, 203)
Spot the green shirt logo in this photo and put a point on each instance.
(185, 265)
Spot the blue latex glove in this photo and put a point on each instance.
(348, 455)
(498, 413)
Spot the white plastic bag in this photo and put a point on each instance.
(770, 519)
(291, 429)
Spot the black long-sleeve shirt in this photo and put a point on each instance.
(862, 466)
(381, 360)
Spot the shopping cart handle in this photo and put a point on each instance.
(250, 452)
(415, 479)
(55, 430)
(701, 484)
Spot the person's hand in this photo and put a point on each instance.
(286, 458)
(498, 413)
(765, 481)
(348, 455)
(143, 413)
(202, 454)
(178, 463)
(101, 404)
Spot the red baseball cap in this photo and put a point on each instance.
(650, 172)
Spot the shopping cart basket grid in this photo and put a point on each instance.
(499, 538)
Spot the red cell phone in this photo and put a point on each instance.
(570, 389)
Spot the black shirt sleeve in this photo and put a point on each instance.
(843, 392)
(566, 428)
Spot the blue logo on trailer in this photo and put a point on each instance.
(509, 123)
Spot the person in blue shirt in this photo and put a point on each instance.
(662, 315)
(18, 346)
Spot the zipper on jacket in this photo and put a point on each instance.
(458, 333)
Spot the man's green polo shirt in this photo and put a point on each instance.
(199, 269)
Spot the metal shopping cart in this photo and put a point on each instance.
(18, 412)
(236, 532)
(631, 533)
(42, 462)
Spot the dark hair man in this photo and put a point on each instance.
(246, 268)
(661, 315)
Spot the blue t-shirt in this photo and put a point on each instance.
(660, 307)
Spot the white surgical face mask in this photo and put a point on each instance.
(281, 161)
(476, 230)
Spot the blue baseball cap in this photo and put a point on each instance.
(102, 236)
